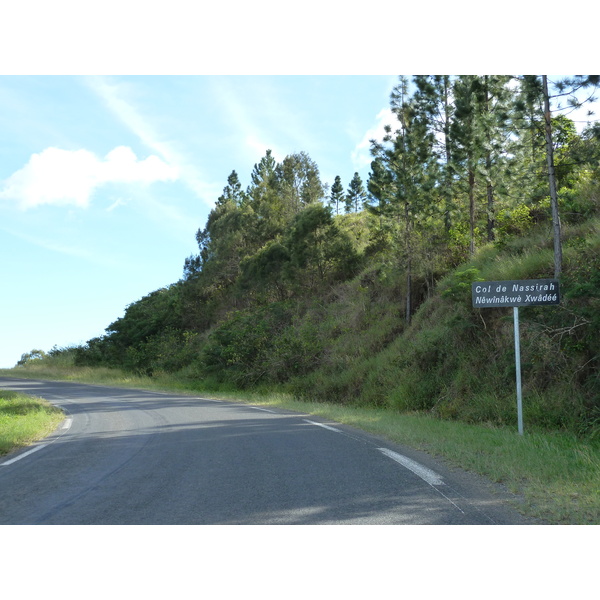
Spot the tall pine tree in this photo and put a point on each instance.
(356, 194)
(337, 197)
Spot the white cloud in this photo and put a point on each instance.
(69, 177)
(361, 155)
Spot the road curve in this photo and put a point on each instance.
(126, 456)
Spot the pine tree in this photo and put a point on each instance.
(337, 195)
(233, 192)
(262, 179)
(566, 88)
(535, 98)
(556, 227)
(356, 194)
(434, 102)
(407, 155)
(265, 201)
(467, 148)
(480, 135)
(495, 97)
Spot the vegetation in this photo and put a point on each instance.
(25, 419)
(361, 299)
(362, 296)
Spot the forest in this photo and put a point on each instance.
(359, 292)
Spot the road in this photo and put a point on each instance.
(125, 456)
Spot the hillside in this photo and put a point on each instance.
(457, 362)
(352, 345)
(363, 297)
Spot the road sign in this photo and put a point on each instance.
(528, 292)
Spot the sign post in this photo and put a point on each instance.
(518, 369)
(529, 292)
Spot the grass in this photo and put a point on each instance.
(25, 419)
(555, 476)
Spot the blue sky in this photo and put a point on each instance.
(104, 181)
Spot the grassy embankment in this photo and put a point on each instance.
(554, 476)
(25, 419)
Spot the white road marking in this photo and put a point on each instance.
(431, 477)
(66, 425)
(324, 426)
(14, 460)
(263, 409)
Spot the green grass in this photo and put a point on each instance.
(25, 419)
(555, 476)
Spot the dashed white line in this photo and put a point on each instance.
(263, 409)
(324, 426)
(431, 477)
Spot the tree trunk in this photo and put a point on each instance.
(488, 165)
(447, 172)
(491, 222)
(472, 211)
(552, 180)
(408, 265)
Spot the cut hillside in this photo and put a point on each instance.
(456, 361)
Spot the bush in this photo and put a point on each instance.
(28, 357)
(238, 350)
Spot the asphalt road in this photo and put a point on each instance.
(127, 457)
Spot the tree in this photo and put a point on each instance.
(566, 88)
(480, 137)
(536, 96)
(337, 195)
(265, 200)
(298, 182)
(34, 354)
(319, 252)
(494, 98)
(356, 195)
(408, 188)
(468, 147)
(379, 184)
(552, 181)
(232, 192)
(434, 101)
(263, 272)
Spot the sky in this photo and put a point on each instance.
(104, 180)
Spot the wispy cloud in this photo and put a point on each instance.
(69, 177)
(234, 102)
(115, 96)
(118, 202)
(103, 259)
(263, 118)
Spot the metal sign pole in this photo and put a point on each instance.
(518, 367)
(515, 293)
